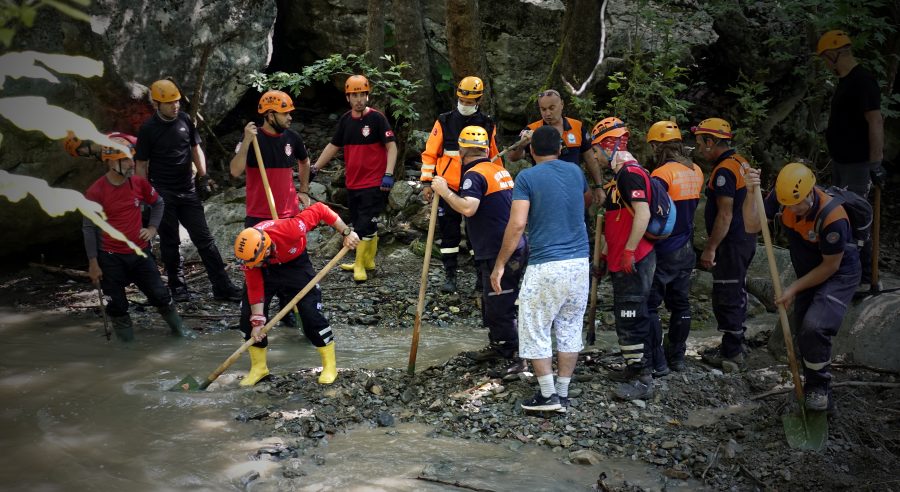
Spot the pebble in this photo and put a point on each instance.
(385, 419)
(668, 444)
(639, 403)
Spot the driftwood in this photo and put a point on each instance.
(454, 484)
(80, 275)
(871, 384)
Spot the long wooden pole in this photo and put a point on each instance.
(423, 283)
(265, 179)
(290, 305)
(782, 313)
(876, 237)
(595, 280)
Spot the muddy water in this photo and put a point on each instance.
(80, 413)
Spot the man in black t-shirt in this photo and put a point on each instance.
(167, 144)
(855, 133)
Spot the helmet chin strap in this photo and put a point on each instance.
(275, 124)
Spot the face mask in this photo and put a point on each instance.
(466, 110)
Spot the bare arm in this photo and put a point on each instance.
(719, 231)
(816, 276)
(303, 175)
(518, 218)
(876, 135)
(639, 225)
(326, 156)
(391, 157)
(140, 168)
(199, 160)
(748, 209)
(239, 161)
(464, 205)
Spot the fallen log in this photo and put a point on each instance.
(79, 275)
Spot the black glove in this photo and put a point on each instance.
(879, 174)
(313, 171)
(600, 270)
(204, 187)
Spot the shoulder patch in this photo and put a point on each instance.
(638, 194)
(833, 237)
(467, 184)
(720, 181)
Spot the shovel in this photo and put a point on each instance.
(423, 283)
(189, 383)
(809, 430)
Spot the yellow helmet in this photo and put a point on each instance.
(251, 246)
(356, 83)
(277, 101)
(114, 154)
(164, 91)
(794, 183)
(611, 127)
(717, 127)
(664, 131)
(474, 136)
(832, 40)
(470, 87)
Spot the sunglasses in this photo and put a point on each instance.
(549, 92)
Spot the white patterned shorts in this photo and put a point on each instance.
(553, 295)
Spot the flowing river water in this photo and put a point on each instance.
(80, 413)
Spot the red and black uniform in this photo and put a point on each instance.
(287, 270)
(364, 140)
(121, 266)
(630, 292)
(281, 153)
(575, 140)
(441, 158)
(492, 185)
(168, 146)
(819, 311)
(734, 254)
(675, 260)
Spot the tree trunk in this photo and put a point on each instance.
(375, 32)
(412, 48)
(464, 45)
(579, 44)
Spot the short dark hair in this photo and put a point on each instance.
(545, 141)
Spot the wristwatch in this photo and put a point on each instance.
(346, 232)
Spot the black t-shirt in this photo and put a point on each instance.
(167, 145)
(848, 131)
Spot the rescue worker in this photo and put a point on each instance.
(484, 198)
(273, 257)
(826, 263)
(729, 249)
(441, 158)
(855, 134)
(576, 139)
(675, 257)
(167, 144)
(370, 154)
(112, 264)
(282, 150)
(628, 255)
(549, 199)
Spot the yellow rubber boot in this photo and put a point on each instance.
(258, 367)
(370, 253)
(359, 265)
(329, 369)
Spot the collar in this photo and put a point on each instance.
(725, 155)
(268, 133)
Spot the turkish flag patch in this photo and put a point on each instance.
(389, 134)
(638, 194)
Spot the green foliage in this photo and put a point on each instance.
(751, 110)
(446, 83)
(15, 14)
(584, 109)
(388, 84)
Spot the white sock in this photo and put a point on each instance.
(562, 386)
(546, 383)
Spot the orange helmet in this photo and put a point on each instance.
(611, 127)
(72, 144)
(832, 40)
(356, 83)
(164, 91)
(251, 246)
(664, 131)
(717, 127)
(277, 101)
(470, 87)
(114, 154)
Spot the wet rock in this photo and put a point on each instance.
(732, 448)
(385, 419)
(318, 459)
(668, 444)
(293, 469)
(249, 477)
(639, 403)
(408, 394)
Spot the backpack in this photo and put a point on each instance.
(662, 207)
(858, 209)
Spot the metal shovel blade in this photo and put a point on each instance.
(810, 433)
(186, 384)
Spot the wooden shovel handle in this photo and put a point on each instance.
(595, 281)
(265, 178)
(423, 283)
(514, 146)
(272, 322)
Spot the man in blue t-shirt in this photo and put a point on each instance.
(550, 199)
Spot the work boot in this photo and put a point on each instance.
(225, 290)
(737, 363)
(449, 283)
(510, 370)
(675, 357)
(329, 367)
(358, 267)
(370, 255)
(488, 353)
(123, 327)
(258, 367)
(630, 373)
(181, 294)
(638, 388)
(176, 324)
